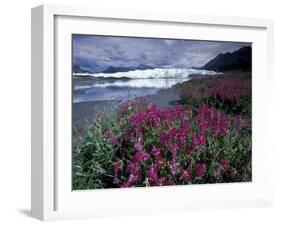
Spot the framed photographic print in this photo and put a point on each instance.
(142, 113)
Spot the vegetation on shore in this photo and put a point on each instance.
(230, 93)
(206, 138)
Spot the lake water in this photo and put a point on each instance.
(86, 89)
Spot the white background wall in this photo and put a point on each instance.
(15, 111)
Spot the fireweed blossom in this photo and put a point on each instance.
(172, 140)
(198, 140)
(209, 117)
(186, 175)
(164, 138)
(200, 169)
(152, 175)
(132, 178)
(134, 169)
(224, 164)
(156, 151)
(174, 150)
(174, 167)
(114, 139)
(141, 156)
(231, 89)
(138, 145)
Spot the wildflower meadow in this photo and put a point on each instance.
(204, 138)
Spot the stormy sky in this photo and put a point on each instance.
(97, 53)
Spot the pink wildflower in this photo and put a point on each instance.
(201, 169)
(155, 151)
(114, 140)
(199, 140)
(174, 167)
(138, 145)
(141, 156)
(185, 175)
(132, 179)
(134, 168)
(174, 150)
(152, 175)
(224, 164)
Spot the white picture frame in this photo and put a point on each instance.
(52, 197)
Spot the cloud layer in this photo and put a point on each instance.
(97, 53)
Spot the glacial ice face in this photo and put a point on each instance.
(151, 73)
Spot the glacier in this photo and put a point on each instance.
(151, 73)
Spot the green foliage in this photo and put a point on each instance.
(231, 95)
(93, 156)
(224, 157)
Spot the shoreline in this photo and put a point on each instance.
(86, 112)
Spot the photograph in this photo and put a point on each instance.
(160, 112)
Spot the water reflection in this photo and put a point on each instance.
(85, 90)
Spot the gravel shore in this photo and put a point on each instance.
(87, 111)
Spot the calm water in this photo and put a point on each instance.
(87, 89)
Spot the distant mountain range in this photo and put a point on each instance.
(78, 69)
(111, 69)
(240, 59)
(126, 69)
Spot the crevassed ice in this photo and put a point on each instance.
(151, 73)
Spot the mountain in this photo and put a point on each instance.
(126, 69)
(78, 69)
(144, 67)
(240, 59)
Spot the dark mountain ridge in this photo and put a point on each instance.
(240, 59)
(112, 69)
(78, 69)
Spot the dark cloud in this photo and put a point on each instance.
(96, 53)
